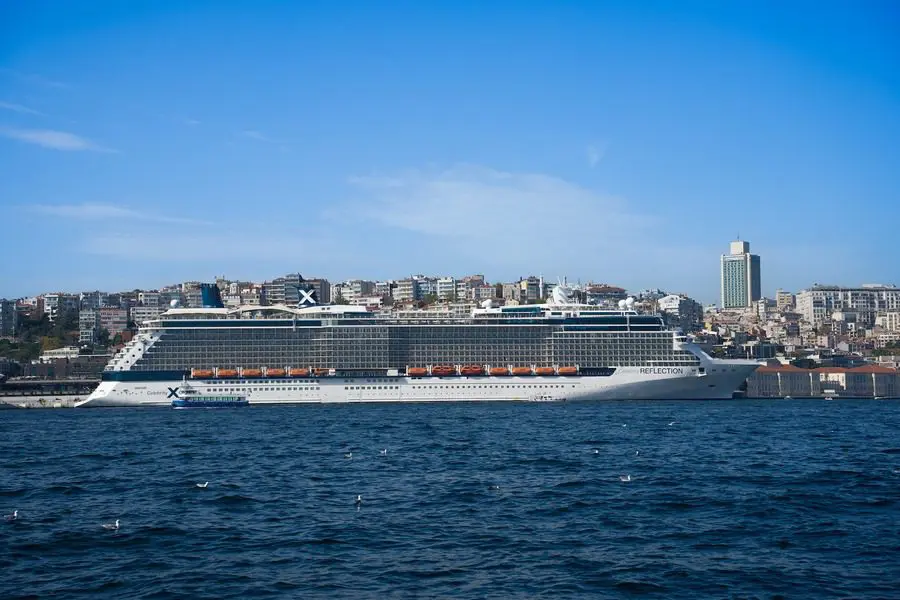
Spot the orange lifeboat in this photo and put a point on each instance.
(544, 371)
(443, 370)
(226, 373)
(251, 373)
(521, 371)
(201, 373)
(417, 371)
(274, 372)
(319, 372)
(472, 370)
(568, 371)
(499, 371)
(299, 372)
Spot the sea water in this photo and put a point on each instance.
(730, 499)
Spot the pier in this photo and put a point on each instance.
(45, 393)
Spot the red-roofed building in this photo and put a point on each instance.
(870, 381)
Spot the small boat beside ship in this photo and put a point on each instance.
(189, 397)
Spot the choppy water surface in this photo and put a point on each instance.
(792, 499)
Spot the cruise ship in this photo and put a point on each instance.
(556, 351)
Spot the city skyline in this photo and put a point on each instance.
(613, 143)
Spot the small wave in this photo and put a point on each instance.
(66, 490)
(542, 461)
(236, 499)
(325, 541)
(639, 587)
(163, 530)
(13, 493)
(573, 484)
(95, 456)
(891, 451)
(431, 574)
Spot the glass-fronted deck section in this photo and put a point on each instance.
(529, 337)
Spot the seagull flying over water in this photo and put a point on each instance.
(672, 423)
(384, 452)
(111, 526)
(358, 501)
(596, 451)
(348, 455)
(13, 516)
(625, 478)
(202, 485)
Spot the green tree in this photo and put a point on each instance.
(429, 299)
(117, 339)
(103, 337)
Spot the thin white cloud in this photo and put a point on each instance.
(19, 109)
(106, 212)
(55, 140)
(260, 137)
(504, 222)
(214, 248)
(191, 122)
(595, 153)
(482, 204)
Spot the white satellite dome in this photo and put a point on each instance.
(622, 304)
(629, 302)
(487, 303)
(174, 303)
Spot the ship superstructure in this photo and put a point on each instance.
(335, 353)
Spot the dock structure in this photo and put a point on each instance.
(45, 393)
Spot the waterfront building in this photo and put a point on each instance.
(113, 320)
(321, 289)
(889, 320)
(681, 312)
(9, 317)
(58, 303)
(869, 381)
(140, 314)
(407, 290)
(483, 292)
(148, 299)
(88, 326)
(819, 302)
(602, 294)
(741, 281)
(93, 300)
(784, 301)
(446, 288)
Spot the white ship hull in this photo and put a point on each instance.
(716, 380)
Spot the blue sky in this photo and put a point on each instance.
(143, 143)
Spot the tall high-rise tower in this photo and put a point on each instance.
(740, 276)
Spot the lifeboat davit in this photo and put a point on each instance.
(226, 373)
(472, 370)
(299, 372)
(443, 371)
(499, 371)
(568, 371)
(417, 371)
(521, 371)
(251, 373)
(201, 373)
(544, 371)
